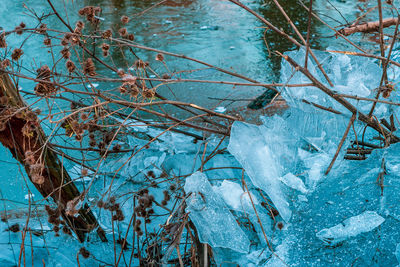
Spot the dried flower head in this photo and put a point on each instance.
(160, 57)
(37, 179)
(134, 90)
(105, 47)
(172, 187)
(107, 34)
(16, 54)
(29, 157)
(18, 30)
(47, 41)
(140, 64)
(90, 12)
(130, 37)
(42, 28)
(151, 174)
(89, 68)
(66, 54)
(70, 66)
(124, 19)
(44, 87)
(123, 32)
(79, 24)
(148, 93)
(123, 89)
(5, 63)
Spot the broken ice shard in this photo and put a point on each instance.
(262, 164)
(213, 220)
(353, 226)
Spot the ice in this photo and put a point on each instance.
(358, 76)
(294, 182)
(220, 109)
(262, 164)
(239, 200)
(353, 226)
(213, 220)
(234, 196)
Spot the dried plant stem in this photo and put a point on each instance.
(341, 143)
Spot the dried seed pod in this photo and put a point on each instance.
(105, 47)
(37, 179)
(4, 100)
(65, 53)
(160, 57)
(42, 28)
(18, 30)
(172, 187)
(89, 68)
(16, 54)
(123, 32)
(107, 34)
(124, 19)
(134, 91)
(122, 89)
(151, 174)
(148, 93)
(70, 66)
(44, 87)
(130, 37)
(47, 41)
(5, 63)
(140, 64)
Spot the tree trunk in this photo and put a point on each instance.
(21, 133)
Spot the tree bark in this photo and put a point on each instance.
(21, 133)
(368, 27)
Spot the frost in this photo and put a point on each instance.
(353, 226)
(214, 222)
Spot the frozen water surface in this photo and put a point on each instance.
(341, 219)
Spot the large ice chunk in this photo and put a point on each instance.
(213, 220)
(353, 226)
(262, 164)
(357, 76)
